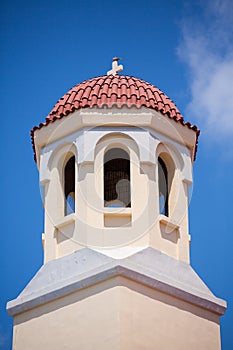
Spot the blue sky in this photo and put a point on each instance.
(183, 47)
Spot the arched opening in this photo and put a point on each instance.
(117, 178)
(163, 187)
(69, 186)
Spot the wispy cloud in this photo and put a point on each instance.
(207, 50)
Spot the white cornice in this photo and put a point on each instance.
(86, 267)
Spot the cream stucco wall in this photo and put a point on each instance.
(139, 298)
(117, 314)
(144, 136)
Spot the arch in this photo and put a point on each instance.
(128, 145)
(69, 185)
(117, 178)
(163, 187)
(166, 177)
(117, 140)
(59, 162)
(173, 153)
(60, 155)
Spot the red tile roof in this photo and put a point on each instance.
(114, 91)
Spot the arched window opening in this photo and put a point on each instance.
(117, 178)
(69, 186)
(163, 187)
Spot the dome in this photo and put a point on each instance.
(114, 91)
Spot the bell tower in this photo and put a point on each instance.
(115, 159)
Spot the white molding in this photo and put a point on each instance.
(86, 267)
(65, 221)
(169, 222)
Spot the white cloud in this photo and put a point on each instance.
(207, 50)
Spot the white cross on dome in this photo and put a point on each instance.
(115, 68)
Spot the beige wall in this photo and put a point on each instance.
(96, 226)
(117, 314)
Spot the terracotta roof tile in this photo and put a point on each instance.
(114, 91)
